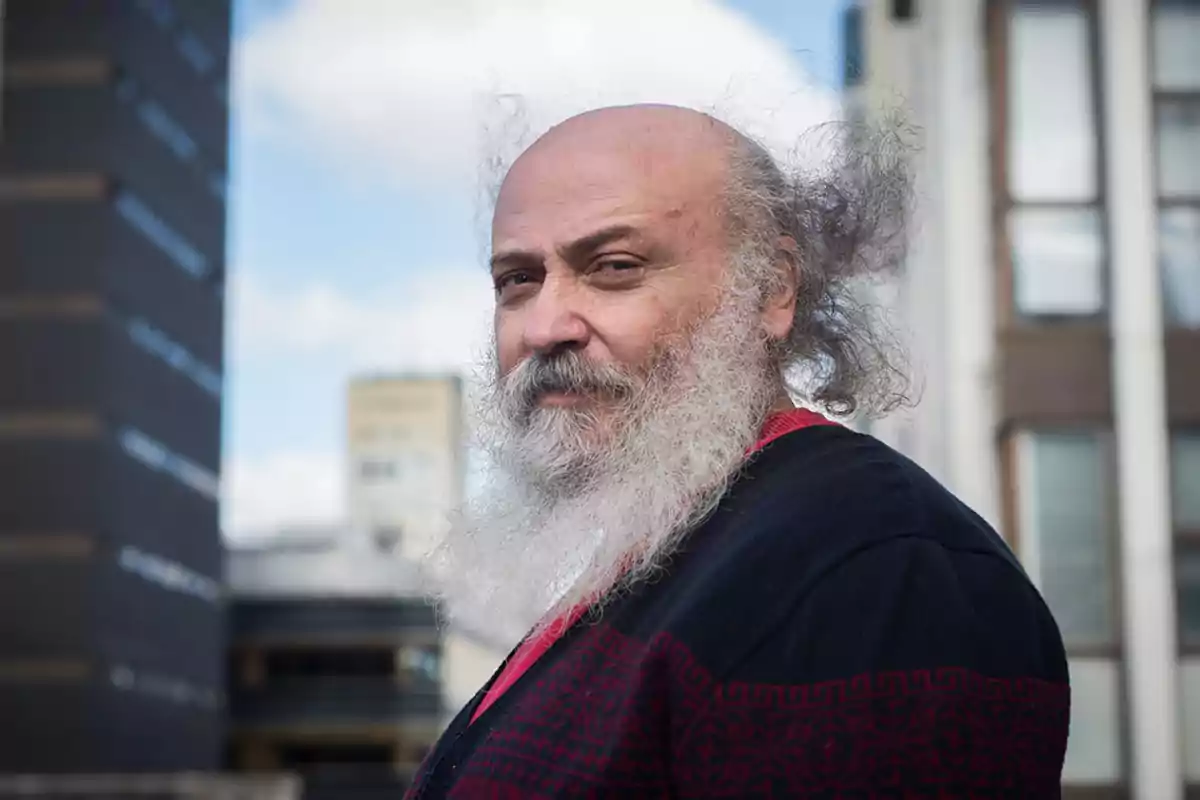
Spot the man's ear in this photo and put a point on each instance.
(779, 307)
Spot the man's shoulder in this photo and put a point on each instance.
(826, 492)
(829, 513)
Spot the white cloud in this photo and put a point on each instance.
(408, 87)
(436, 320)
(281, 489)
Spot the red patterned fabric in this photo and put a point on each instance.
(596, 721)
(526, 654)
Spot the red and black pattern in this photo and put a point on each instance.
(620, 718)
(841, 627)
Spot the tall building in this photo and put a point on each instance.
(112, 230)
(335, 664)
(1053, 305)
(406, 458)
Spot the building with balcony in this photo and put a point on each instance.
(335, 664)
(113, 120)
(1052, 302)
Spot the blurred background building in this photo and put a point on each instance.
(335, 664)
(406, 458)
(112, 243)
(338, 669)
(1053, 302)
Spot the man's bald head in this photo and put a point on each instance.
(688, 153)
(660, 137)
(645, 123)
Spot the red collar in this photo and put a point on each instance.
(786, 422)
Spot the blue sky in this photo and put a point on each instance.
(353, 233)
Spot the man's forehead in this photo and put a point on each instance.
(651, 161)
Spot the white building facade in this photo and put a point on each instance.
(405, 446)
(407, 472)
(1052, 304)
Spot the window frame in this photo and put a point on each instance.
(1015, 446)
(1184, 539)
(1159, 96)
(1004, 203)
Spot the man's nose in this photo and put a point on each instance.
(554, 321)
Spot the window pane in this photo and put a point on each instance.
(1187, 594)
(1185, 482)
(1178, 147)
(1189, 678)
(164, 237)
(1066, 522)
(1179, 260)
(1052, 129)
(1094, 747)
(1058, 257)
(1176, 55)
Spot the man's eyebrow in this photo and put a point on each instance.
(577, 249)
(571, 252)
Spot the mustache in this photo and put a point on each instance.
(566, 372)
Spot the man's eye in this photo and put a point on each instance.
(511, 280)
(617, 268)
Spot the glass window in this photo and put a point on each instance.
(154, 341)
(158, 457)
(1185, 481)
(216, 184)
(196, 53)
(1052, 127)
(1058, 261)
(1176, 54)
(167, 130)
(1178, 122)
(852, 46)
(1179, 260)
(1187, 592)
(1065, 532)
(170, 575)
(196, 477)
(161, 11)
(176, 247)
(144, 449)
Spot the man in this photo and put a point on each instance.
(735, 597)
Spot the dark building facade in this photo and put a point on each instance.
(113, 131)
(335, 668)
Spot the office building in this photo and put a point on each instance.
(1052, 302)
(112, 232)
(405, 456)
(335, 669)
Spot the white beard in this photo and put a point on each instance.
(573, 511)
